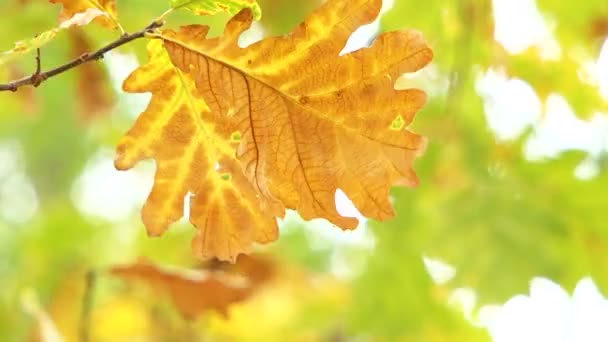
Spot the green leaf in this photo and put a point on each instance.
(211, 7)
(25, 46)
(584, 97)
(574, 21)
(395, 298)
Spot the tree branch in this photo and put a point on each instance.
(38, 77)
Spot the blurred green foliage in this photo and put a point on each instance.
(498, 218)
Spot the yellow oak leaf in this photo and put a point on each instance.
(311, 121)
(102, 11)
(283, 123)
(195, 155)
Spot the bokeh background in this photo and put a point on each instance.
(506, 238)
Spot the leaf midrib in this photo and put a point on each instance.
(281, 93)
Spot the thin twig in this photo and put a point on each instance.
(167, 12)
(39, 77)
(87, 305)
(36, 77)
(38, 67)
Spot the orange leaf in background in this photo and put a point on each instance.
(104, 11)
(94, 93)
(257, 268)
(27, 97)
(599, 27)
(192, 291)
(283, 123)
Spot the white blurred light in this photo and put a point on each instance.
(587, 170)
(346, 207)
(430, 78)
(254, 34)
(10, 158)
(511, 105)
(323, 235)
(46, 328)
(519, 25)
(595, 73)
(549, 313)
(18, 198)
(120, 66)
(440, 272)
(364, 35)
(103, 192)
(561, 130)
(602, 71)
(465, 299)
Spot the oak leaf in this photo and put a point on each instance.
(94, 92)
(313, 122)
(193, 155)
(102, 11)
(283, 123)
(195, 291)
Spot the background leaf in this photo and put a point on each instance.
(211, 7)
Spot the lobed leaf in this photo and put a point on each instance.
(105, 8)
(283, 123)
(192, 292)
(211, 7)
(194, 155)
(313, 121)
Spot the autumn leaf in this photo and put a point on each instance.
(312, 121)
(194, 155)
(103, 11)
(257, 268)
(211, 7)
(192, 291)
(303, 121)
(94, 94)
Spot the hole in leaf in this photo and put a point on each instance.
(236, 136)
(398, 124)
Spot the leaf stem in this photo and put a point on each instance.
(122, 30)
(109, 15)
(164, 15)
(39, 77)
